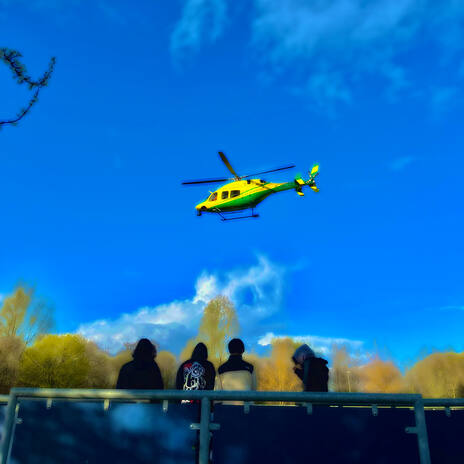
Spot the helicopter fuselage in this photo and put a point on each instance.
(241, 194)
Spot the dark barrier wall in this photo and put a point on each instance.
(446, 436)
(85, 433)
(274, 434)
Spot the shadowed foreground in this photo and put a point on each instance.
(369, 431)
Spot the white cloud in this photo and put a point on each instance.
(256, 291)
(321, 345)
(400, 163)
(324, 48)
(300, 29)
(201, 20)
(2, 296)
(340, 40)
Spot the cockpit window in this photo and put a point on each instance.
(224, 195)
(213, 197)
(234, 193)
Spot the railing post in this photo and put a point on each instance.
(204, 431)
(421, 431)
(9, 427)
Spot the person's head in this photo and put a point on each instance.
(302, 353)
(144, 351)
(236, 346)
(200, 352)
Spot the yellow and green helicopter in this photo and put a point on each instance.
(244, 193)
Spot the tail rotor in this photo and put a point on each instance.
(312, 176)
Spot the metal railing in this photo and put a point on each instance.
(206, 397)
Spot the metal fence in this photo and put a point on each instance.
(205, 426)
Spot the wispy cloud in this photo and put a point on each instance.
(400, 163)
(257, 292)
(201, 21)
(453, 308)
(325, 48)
(360, 38)
(321, 345)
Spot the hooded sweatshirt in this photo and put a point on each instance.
(197, 373)
(142, 373)
(313, 371)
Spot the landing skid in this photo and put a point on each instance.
(224, 218)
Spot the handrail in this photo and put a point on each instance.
(303, 397)
(135, 395)
(444, 402)
(207, 396)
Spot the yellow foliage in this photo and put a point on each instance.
(56, 361)
(167, 363)
(439, 375)
(276, 372)
(218, 324)
(19, 317)
(344, 374)
(11, 349)
(101, 371)
(70, 361)
(381, 377)
(13, 311)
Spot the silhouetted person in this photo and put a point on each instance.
(313, 371)
(235, 373)
(142, 373)
(197, 373)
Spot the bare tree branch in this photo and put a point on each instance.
(11, 59)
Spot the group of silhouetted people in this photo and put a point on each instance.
(197, 373)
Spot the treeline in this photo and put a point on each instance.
(31, 357)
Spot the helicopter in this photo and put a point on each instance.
(244, 193)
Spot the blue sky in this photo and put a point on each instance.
(143, 97)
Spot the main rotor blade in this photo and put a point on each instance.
(226, 162)
(205, 181)
(271, 170)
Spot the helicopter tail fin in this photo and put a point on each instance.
(312, 175)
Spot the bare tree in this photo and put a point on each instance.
(11, 59)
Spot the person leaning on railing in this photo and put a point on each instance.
(197, 373)
(235, 373)
(312, 371)
(142, 373)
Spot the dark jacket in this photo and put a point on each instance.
(142, 373)
(197, 373)
(312, 371)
